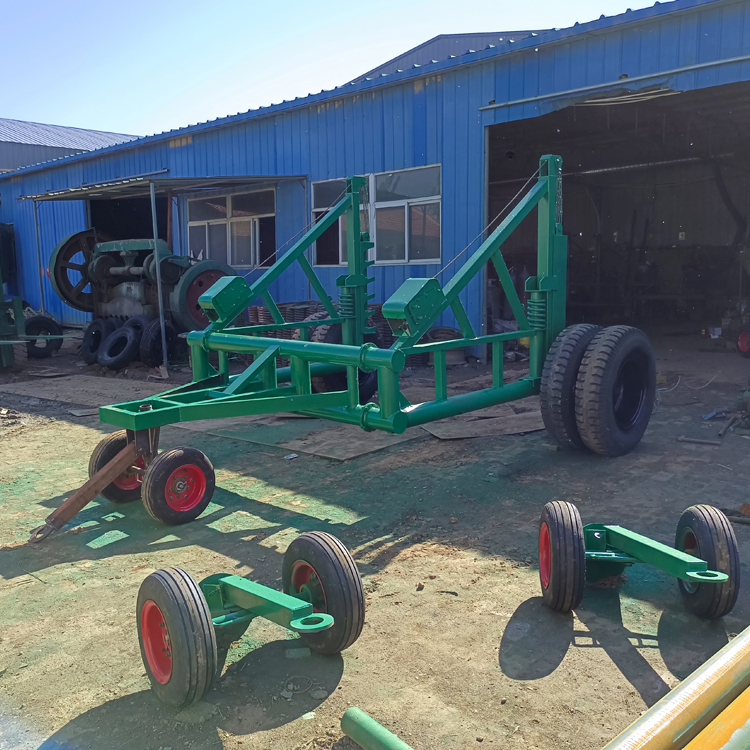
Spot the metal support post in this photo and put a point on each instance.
(160, 292)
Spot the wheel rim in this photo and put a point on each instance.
(156, 642)
(743, 342)
(131, 481)
(69, 265)
(629, 391)
(689, 544)
(200, 285)
(305, 584)
(545, 556)
(185, 488)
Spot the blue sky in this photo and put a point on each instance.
(145, 66)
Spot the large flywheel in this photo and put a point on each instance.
(69, 268)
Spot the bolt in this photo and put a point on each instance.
(146, 407)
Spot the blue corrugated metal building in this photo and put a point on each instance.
(650, 100)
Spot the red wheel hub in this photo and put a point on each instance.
(306, 583)
(127, 481)
(185, 488)
(545, 555)
(199, 285)
(743, 342)
(156, 643)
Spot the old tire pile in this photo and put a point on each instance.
(42, 325)
(598, 388)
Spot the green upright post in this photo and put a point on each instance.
(546, 307)
(353, 297)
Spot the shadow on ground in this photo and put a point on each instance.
(536, 640)
(244, 702)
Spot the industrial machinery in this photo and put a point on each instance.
(117, 278)
(597, 386)
(182, 624)
(705, 559)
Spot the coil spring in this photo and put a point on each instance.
(537, 313)
(346, 305)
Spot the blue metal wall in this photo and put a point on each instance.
(435, 114)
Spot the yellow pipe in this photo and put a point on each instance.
(729, 730)
(681, 714)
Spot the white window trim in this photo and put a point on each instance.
(372, 207)
(255, 241)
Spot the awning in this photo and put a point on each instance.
(140, 186)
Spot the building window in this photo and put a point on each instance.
(407, 216)
(236, 229)
(330, 247)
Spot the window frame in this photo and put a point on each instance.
(229, 220)
(371, 211)
(319, 212)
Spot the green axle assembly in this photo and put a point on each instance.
(264, 388)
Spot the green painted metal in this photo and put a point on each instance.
(235, 601)
(367, 733)
(610, 548)
(411, 311)
(12, 327)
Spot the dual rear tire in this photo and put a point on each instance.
(176, 631)
(176, 487)
(702, 531)
(598, 388)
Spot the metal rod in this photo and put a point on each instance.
(466, 402)
(687, 709)
(39, 259)
(367, 733)
(620, 82)
(165, 359)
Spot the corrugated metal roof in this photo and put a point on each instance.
(591, 30)
(443, 46)
(39, 134)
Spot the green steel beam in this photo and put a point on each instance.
(642, 549)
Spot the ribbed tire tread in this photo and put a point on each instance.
(347, 586)
(567, 556)
(557, 394)
(712, 600)
(190, 619)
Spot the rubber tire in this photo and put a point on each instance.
(558, 387)
(567, 579)
(331, 334)
(717, 545)
(341, 582)
(150, 349)
(20, 357)
(155, 481)
(595, 386)
(43, 325)
(93, 338)
(191, 634)
(119, 349)
(104, 452)
(139, 323)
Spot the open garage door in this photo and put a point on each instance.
(656, 194)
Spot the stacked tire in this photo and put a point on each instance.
(114, 346)
(598, 388)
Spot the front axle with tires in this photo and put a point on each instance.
(182, 624)
(705, 559)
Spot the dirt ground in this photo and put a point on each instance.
(470, 659)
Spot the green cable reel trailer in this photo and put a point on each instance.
(596, 385)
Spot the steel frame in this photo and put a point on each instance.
(264, 388)
(609, 549)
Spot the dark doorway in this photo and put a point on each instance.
(655, 202)
(128, 218)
